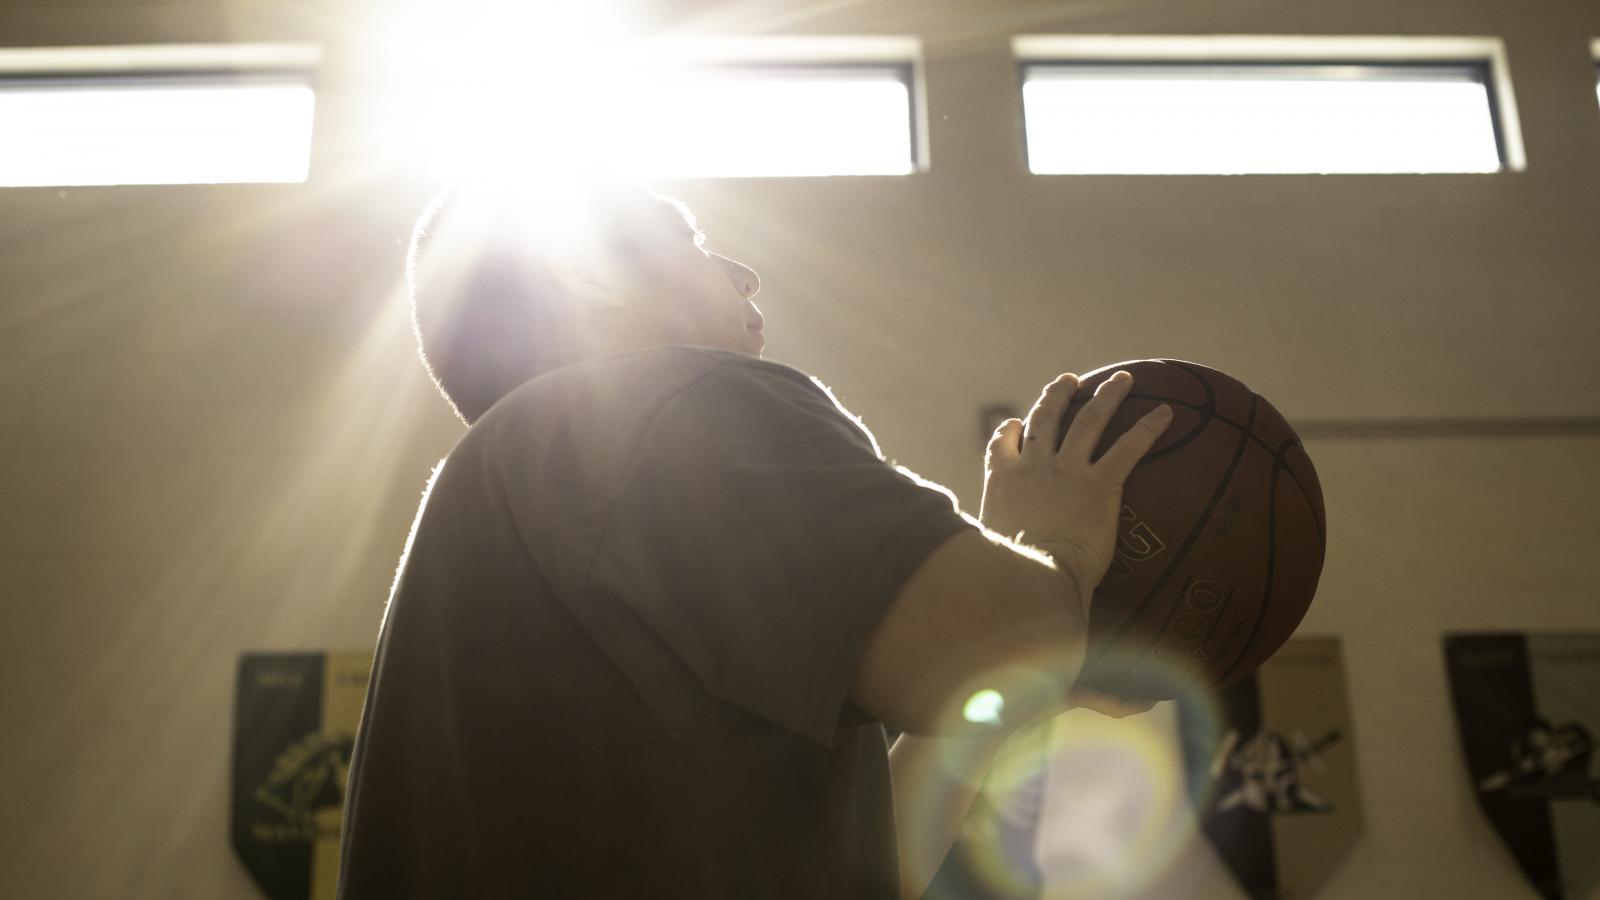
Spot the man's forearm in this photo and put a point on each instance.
(934, 782)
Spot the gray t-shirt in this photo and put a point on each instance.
(617, 656)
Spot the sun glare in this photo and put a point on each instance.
(984, 708)
(530, 89)
(494, 87)
(783, 122)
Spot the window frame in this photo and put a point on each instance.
(904, 72)
(112, 67)
(1481, 71)
(899, 54)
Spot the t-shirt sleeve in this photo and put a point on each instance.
(755, 541)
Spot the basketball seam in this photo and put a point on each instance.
(1206, 638)
(1211, 405)
(1272, 567)
(1207, 413)
(1212, 416)
(1316, 514)
(1183, 551)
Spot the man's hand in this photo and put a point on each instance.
(1057, 500)
(1106, 704)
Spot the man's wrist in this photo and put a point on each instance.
(1070, 562)
(962, 757)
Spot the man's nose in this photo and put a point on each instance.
(744, 279)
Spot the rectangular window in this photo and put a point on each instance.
(1140, 118)
(1241, 104)
(155, 115)
(782, 120)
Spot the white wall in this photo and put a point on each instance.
(214, 434)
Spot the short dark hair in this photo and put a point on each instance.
(488, 306)
(481, 313)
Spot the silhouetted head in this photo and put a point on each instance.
(510, 283)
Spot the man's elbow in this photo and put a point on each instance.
(981, 641)
(995, 695)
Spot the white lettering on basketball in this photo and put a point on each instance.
(1187, 627)
(1183, 649)
(1136, 543)
(1204, 595)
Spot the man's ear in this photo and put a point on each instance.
(602, 318)
(596, 295)
(590, 287)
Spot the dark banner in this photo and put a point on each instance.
(1528, 709)
(1272, 771)
(295, 718)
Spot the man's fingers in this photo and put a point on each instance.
(1043, 428)
(1134, 443)
(1090, 422)
(1108, 705)
(1125, 708)
(1005, 445)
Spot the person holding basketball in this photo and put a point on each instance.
(663, 596)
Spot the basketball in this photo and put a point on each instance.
(1220, 542)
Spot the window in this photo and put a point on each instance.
(776, 121)
(155, 115)
(1258, 114)
(657, 106)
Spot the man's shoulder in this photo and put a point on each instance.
(645, 379)
(696, 360)
(735, 368)
(617, 398)
(611, 401)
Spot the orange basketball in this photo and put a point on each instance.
(1221, 538)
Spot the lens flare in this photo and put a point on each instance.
(1159, 671)
(984, 708)
(1088, 806)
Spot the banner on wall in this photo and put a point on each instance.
(294, 725)
(1528, 712)
(1271, 765)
